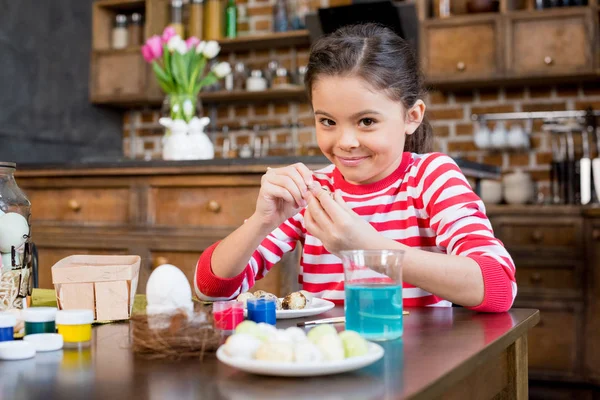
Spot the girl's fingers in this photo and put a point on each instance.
(287, 183)
(279, 193)
(327, 203)
(311, 225)
(337, 196)
(318, 213)
(294, 174)
(305, 173)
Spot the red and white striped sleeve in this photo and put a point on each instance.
(284, 239)
(457, 215)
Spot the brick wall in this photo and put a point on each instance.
(289, 126)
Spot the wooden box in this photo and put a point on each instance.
(103, 284)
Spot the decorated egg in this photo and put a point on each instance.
(242, 345)
(168, 288)
(14, 230)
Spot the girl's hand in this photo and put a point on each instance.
(334, 223)
(282, 194)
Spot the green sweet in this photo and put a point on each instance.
(322, 330)
(251, 328)
(354, 344)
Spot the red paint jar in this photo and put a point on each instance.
(227, 314)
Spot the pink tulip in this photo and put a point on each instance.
(192, 42)
(168, 33)
(153, 49)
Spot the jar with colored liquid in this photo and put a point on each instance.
(39, 320)
(75, 326)
(7, 326)
(227, 315)
(262, 310)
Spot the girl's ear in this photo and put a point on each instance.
(414, 117)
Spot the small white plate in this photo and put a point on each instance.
(302, 369)
(316, 307)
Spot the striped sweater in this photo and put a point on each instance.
(426, 203)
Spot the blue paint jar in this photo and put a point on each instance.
(7, 326)
(262, 310)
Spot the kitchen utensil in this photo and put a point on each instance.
(572, 180)
(591, 126)
(585, 169)
(556, 169)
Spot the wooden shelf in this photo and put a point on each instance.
(268, 41)
(295, 92)
(126, 50)
(121, 4)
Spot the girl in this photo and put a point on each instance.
(388, 191)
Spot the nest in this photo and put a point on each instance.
(175, 336)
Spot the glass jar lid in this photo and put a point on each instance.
(6, 164)
(121, 20)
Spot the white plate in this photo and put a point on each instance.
(302, 369)
(317, 306)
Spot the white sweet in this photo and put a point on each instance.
(281, 336)
(296, 334)
(242, 345)
(354, 344)
(266, 329)
(318, 332)
(14, 230)
(331, 346)
(168, 288)
(307, 352)
(275, 351)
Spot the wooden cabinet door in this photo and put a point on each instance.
(462, 49)
(592, 334)
(118, 76)
(550, 43)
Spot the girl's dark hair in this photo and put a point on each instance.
(380, 57)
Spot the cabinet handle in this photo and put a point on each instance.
(537, 236)
(160, 260)
(536, 277)
(548, 60)
(74, 205)
(460, 66)
(213, 206)
(596, 234)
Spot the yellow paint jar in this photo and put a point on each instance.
(75, 326)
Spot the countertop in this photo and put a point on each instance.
(441, 346)
(113, 166)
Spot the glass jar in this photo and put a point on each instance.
(15, 245)
(135, 30)
(177, 16)
(119, 32)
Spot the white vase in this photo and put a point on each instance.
(201, 148)
(176, 144)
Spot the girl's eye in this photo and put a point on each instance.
(366, 122)
(326, 122)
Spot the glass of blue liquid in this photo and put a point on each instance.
(373, 289)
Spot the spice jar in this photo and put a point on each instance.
(239, 76)
(271, 71)
(196, 18)
(75, 326)
(281, 78)
(177, 16)
(119, 32)
(256, 81)
(135, 30)
(15, 244)
(7, 326)
(214, 17)
(39, 320)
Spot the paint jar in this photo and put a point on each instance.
(39, 320)
(227, 315)
(7, 326)
(262, 310)
(75, 326)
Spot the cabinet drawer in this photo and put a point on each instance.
(460, 51)
(86, 206)
(547, 279)
(553, 345)
(48, 256)
(118, 74)
(202, 206)
(551, 43)
(529, 235)
(186, 261)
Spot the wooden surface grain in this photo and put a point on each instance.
(443, 349)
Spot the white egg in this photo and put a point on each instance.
(296, 334)
(266, 329)
(280, 336)
(307, 352)
(242, 345)
(168, 287)
(275, 351)
(14, 230)
(332, 347)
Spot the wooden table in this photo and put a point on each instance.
(449, 353)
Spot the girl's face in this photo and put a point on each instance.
(361, 130)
